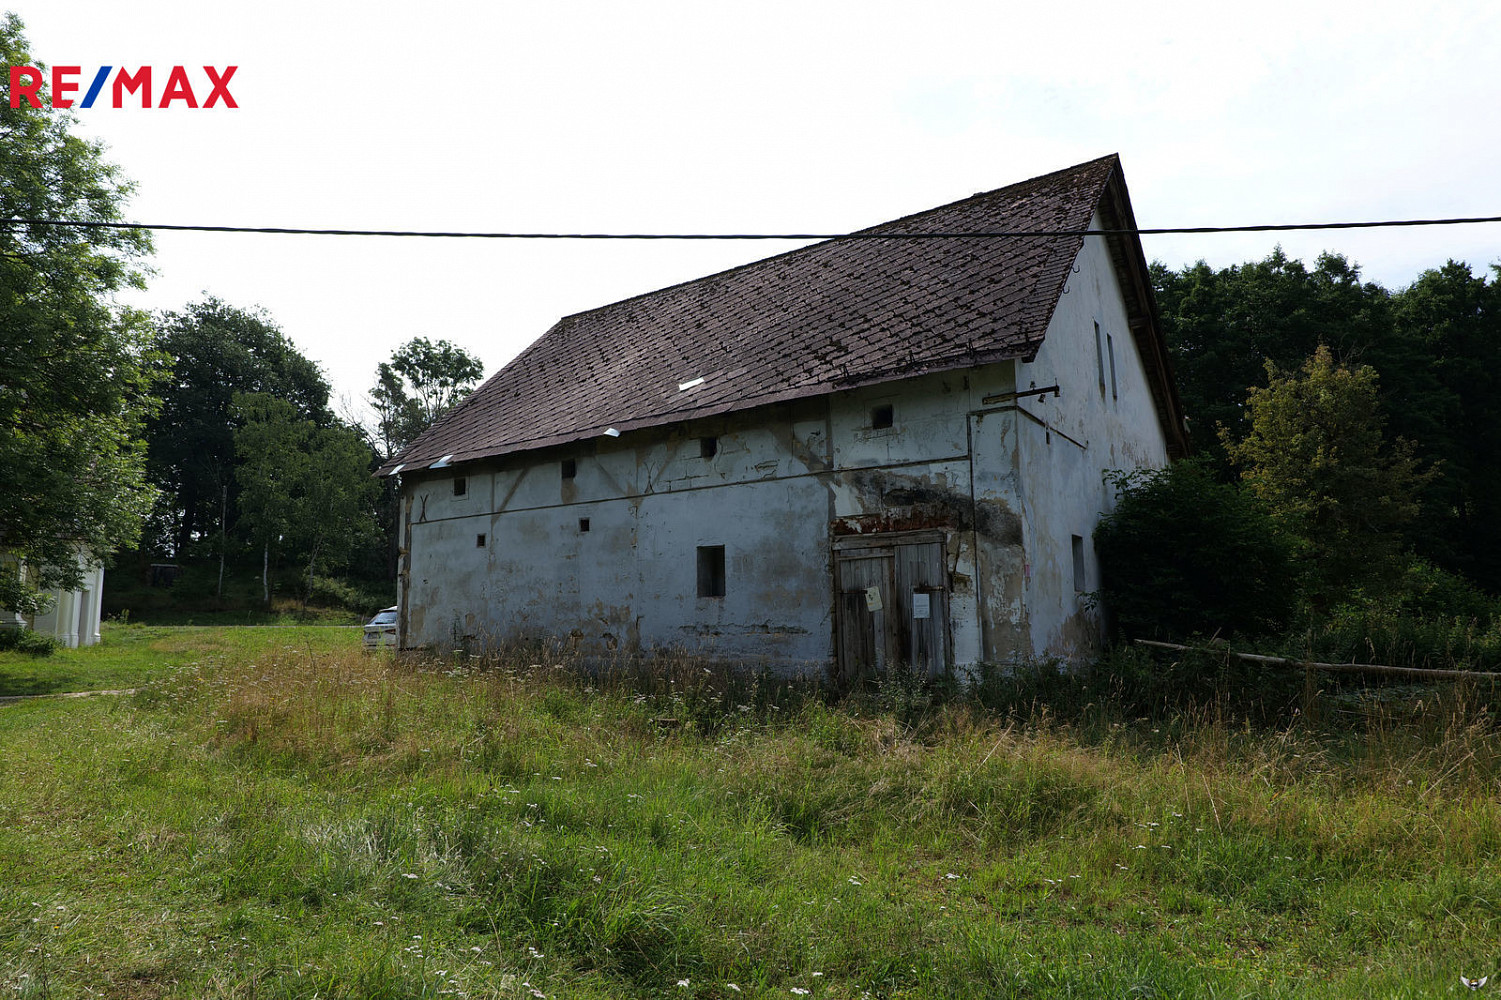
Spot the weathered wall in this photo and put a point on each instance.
(1101, 421)
(785, 479)
(1008, 476)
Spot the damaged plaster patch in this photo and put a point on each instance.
(893, 502)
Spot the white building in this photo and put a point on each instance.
(881, 448)
(73, 615)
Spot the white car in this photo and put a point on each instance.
(381, 630)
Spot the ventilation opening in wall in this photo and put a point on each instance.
(583, 524)
(1078, 564)
(711, 571)
(1099, 358)
(570, 468)
(1110, 350)
(708, 447)
(881, 417)
(460, 486)
(479, 541)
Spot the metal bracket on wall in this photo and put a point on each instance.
(1007, 397)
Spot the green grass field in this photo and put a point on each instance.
(277, 814)
(130, 655)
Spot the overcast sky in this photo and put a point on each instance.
(758, 117)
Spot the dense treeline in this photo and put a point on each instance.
(251, 464)
(1434, 346)
(1343, 499)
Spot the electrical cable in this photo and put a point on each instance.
(861, 235)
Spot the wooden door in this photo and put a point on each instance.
(867, 641)
(922, 598)
(892, 605)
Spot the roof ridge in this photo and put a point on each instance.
(946, 206)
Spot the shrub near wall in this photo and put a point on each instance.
(24, 640)
(1185, 554)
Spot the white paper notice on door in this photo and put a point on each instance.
(872, 598)
(921, 606)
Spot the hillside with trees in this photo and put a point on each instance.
(1342, 503)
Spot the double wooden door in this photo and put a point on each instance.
(892, 604)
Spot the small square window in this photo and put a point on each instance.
(583, 524)
(479, 541)
(881, 417)
(711, 571)
(708, 447)
(460, 486)
(570, 468)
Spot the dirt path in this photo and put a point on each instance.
(8, 698)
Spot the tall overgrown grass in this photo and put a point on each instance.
(295, 822)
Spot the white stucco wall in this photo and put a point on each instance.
(73, 616)
(784, 481)
(1008, 479)
(1107, 422)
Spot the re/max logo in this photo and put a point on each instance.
(26, 81)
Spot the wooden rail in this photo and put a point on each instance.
(1368, 668)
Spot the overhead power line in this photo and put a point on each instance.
(863, 235)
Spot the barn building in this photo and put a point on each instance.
(889, 447)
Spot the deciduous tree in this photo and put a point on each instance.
(77, 371)
(304, 490)
(422, 381)
(1316, 455)
(217, 350)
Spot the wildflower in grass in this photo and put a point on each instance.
(733, 987)
(951, 875)
(799, 991)
(855, 881)
(683, 983)
(408, 875)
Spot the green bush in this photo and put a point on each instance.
(1424, 589)
(1185, 554)
(328, 592)
(1386, 633)
(24, 640)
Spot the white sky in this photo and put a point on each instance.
(761, 117)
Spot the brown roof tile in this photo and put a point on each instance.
(830, 316)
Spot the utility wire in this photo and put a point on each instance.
(862, 235)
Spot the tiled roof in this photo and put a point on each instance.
(834, 315)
